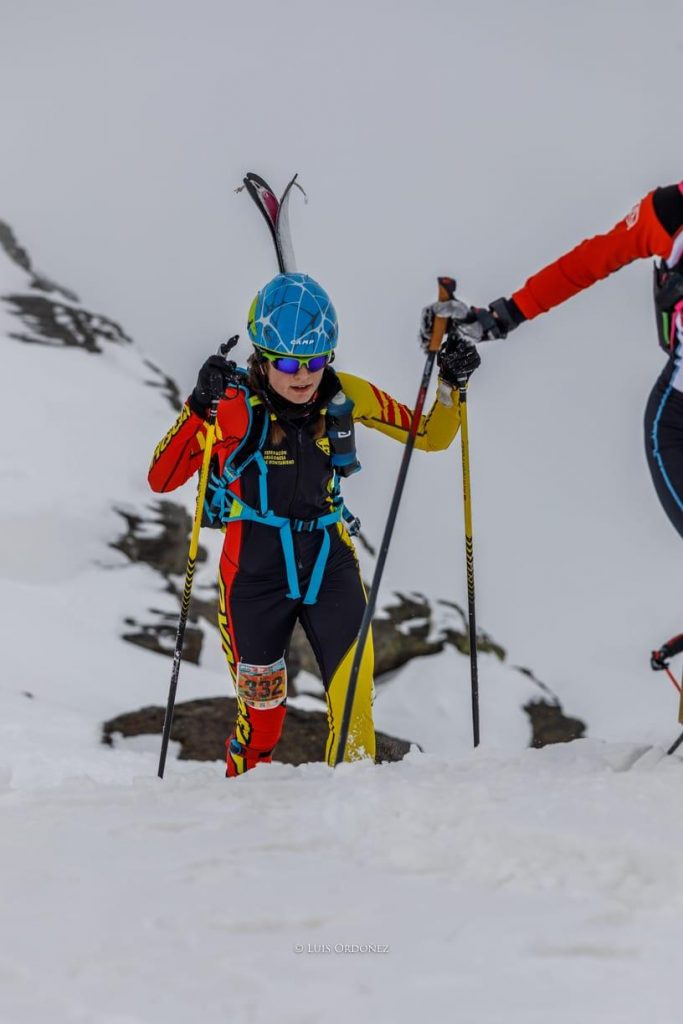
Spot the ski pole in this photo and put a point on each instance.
(674, 746)
(189, 572)
(659, 661)
(672, 677)
(469, 556)
(446, 291)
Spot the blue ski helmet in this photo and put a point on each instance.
(294, 316)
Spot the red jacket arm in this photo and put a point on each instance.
(179, 453)
(639, 234)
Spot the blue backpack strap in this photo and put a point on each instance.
(262, 481)
(218, 498)
(307, 526)
(287, 542)
(352, 522)
(225, 507)
(240, 512)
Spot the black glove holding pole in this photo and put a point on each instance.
(496, 321)
(478, 323)
(457, 358)
(659, 660)
(216, 374)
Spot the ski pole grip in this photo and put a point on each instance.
(446, 292)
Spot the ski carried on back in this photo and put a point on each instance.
(276, 214)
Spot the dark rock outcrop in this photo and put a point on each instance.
(53, 315)
(18, 255)
(159, 538)
(164, 549)
(51, 322)
(202, 726)
(549, 724)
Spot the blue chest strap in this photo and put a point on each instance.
(225, 507)
(288, 527)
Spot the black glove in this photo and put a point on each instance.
(658, 659)
(474, 323)
(457, 361)
(501, 317)
(213, 378)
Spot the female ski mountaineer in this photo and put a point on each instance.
(284, 437)
(654, 227)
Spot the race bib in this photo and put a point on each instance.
(262, 686)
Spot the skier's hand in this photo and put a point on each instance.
(489, 325)
(501, 317)
(457, 361)
(213, 378)
(658, 659)
(453, 309)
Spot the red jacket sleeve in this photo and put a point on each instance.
(639, 234)
(180, 452)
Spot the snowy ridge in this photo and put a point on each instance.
(555, 869)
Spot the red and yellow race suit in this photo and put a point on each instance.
(256, 610)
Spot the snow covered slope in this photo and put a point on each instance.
(496, 886)
(496, 890)
(83, 416)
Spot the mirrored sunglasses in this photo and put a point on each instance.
(291, 364)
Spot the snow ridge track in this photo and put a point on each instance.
(504, 888)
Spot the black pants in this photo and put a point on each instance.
(256, 620)
(664, 443)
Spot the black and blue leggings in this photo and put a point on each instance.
(664, 440)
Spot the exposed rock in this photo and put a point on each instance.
(13, 249)
(202, 726)
(55, 323)
(166, 385)
(164, 548)
(407, 630)
(19, 255)
(159, 539)
(549, 724)
(159, 634)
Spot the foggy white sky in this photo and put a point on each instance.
(126, 125)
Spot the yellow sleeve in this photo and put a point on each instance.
(377, 409)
